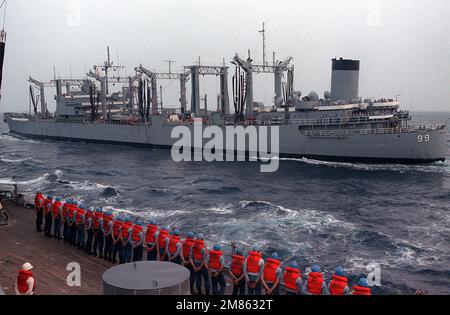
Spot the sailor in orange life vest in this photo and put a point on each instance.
(72, 222)
(272, 275)
(339, 283)
(151, 240)
(236, 273)
(198, 256)
(362, 288)
(253, 269)
(315, 285)
(99, 232)
(108, 224)
(163, 240)
(173, 247)
(137, 239)
(39, 208)
(48, 203)
(292, 279)
(80, 223)
(65, 220)
(126, 239)
(89, 231)
(25, 283)
(216, 263)
(56, 216)
(117, 240)
(185, 257)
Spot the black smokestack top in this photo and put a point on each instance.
(345, 64)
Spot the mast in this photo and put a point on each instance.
(2, 44)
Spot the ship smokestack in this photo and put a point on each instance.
(344, 79)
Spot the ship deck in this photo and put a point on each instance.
(20, 243)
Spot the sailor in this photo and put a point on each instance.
(185, 258)
(65, 220)
(272, 275)
(56, 216)
(173, 248)
(215, 263)
(80, 223)
(237, 273)
(39, 208)
(292, 279)
(151, 237)
(253, 269)
(48, 203)
(117, 240)
(314, 284)
(126, 239)
(198, 255)
(89, 232)
(99, 233)
(108, 228)
(163, 240)
(339, 283)
(73, 210)
(25, 283)
(362, 288)
(137, 237)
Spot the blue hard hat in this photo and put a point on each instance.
(190, 234)
(256, 248)
(217, 247)
(152, 221)
(49, 197)
(176, 232)
(238, 251)
(293, 264)
(200, 236)
(81, 206)
(315, 268)
(58, 198)
(99, 209)
(363, 282)
(275, 255)
(339, 271)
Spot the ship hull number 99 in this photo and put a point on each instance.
(423, 138)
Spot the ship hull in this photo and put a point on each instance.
(405, 148)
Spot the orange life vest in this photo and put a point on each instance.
(72, 209)
(22, 279)
(337, 285)
(125, 230)
(96, 220)
(163, 234)
(106, 220)
(315, 282)
(358, 290)
(290, 278)
(214, 259)
(38, 201)
(65, 211)
(135, 233)
(270, 270)
(173, 242)
(150, 234)
(237, 262)
(47, 205)
(253, 262)
(116, 227)
(187, 245)
(55, 208)
(197, 250)
(80, 212)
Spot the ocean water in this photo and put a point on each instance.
(324, 213)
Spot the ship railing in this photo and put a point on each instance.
(375, 131)
(339, 121)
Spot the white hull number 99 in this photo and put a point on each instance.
(422, 138)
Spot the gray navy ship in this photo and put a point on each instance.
(340, 126)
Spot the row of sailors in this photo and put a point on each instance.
(99, 232)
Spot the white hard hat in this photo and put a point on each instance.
(27, 266)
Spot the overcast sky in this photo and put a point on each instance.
(403, 45)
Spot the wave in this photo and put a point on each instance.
(5, 160)
(11, 138)
(436, 167)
